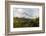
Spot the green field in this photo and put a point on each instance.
(23, 22)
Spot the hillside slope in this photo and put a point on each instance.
(24, 22)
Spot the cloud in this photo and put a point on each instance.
(26, 12)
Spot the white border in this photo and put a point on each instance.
(27, 28)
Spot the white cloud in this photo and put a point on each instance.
(19, 13)
(27, 13)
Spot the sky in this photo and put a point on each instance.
(25, 12)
